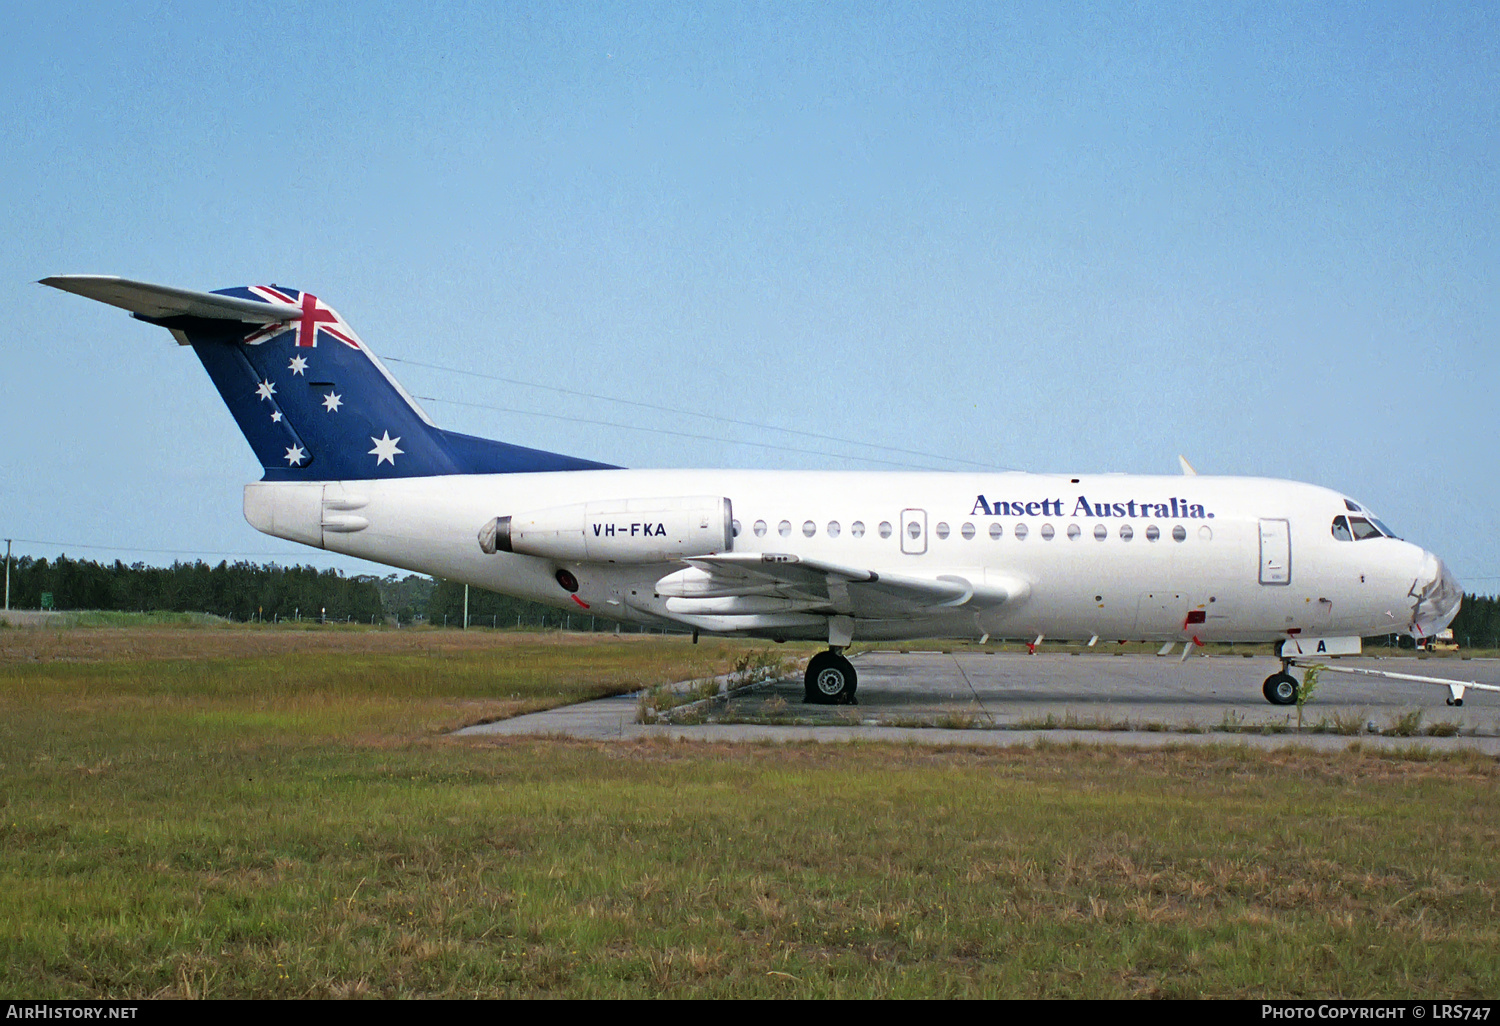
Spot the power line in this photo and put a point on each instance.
(167, 552)
(716, 417)
(665, 431)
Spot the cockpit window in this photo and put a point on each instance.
(1360, 528)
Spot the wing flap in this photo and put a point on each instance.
(838, 589)
(158, 302)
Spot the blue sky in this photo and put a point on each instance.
(1043, 237)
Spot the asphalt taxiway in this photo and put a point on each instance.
(1002, 698)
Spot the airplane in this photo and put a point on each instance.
(354, 465)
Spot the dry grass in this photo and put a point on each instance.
(251, 641)
(294, 823)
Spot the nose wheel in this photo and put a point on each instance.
(1281, 689)
(830, 680)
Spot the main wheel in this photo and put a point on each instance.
(1281, 689)
(830, 680)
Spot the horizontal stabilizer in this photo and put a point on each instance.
(158, 302)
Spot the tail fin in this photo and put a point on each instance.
(312, 400)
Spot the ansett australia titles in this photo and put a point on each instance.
(1172, 509)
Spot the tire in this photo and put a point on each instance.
(1281, 689)
(830, 680)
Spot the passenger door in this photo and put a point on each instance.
(1275, 552)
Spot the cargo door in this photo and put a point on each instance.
(1161, 614)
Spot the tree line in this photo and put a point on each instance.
(247, 591)
(1477, 624)
(238, 591)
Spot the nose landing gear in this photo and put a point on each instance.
(830, 679)
(1281, 688)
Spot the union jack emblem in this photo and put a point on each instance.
(316, 316)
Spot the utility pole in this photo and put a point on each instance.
(466, 607)
(7, 575)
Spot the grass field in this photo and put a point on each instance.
(240, 811)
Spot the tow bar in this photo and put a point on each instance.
(1455, 688)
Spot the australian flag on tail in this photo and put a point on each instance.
(311, 399)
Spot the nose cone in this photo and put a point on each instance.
(1438, 596)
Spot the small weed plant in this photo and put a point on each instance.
(1308, 689)
(1406, 725)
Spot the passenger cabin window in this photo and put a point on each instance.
(857, 529)
(809, 529)
(885, 529)
(1020, 532)
(1047, 532)
(833, 528)
(1152, 533)
(996, 531)
(1074, 532)
(784, 528)
(760, 529)
(1126, 532)
(967, 531)
(942, 530)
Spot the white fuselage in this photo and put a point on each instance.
(1112, 556)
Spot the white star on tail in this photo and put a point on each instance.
(298, 364)
(295, 455)
(332, 402)
(385, 450)
(265, 389)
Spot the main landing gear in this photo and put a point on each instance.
(830, 679)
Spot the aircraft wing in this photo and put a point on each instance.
(157, 302)
(817, 585)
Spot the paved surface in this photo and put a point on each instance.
(935, 698)
(29, 618)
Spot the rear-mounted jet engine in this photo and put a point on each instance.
(617, 530)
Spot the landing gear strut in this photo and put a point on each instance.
(830, 679)
(1281, 688)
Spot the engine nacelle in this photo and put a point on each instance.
(617, 530)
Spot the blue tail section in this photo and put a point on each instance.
(316, 404)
